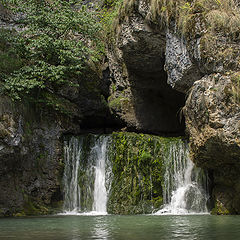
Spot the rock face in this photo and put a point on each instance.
(31, 159)
(213, 120)
(31, 136)
(153, 67)
(179, 65)
(31, 151)
(196, 59)
(140, 95)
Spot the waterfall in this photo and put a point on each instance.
(72, 152)
(87, 174)
(184, 184)
(100, 191)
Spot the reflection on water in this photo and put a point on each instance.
(100, 229)
(109, 227)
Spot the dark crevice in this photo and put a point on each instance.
(157, 106)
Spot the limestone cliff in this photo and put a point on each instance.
(166, 58)
(166, 51)
(31, 158)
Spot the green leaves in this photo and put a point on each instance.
(57, 39)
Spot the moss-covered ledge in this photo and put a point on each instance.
(138, 172)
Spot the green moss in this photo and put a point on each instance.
(60, 104)
(220, 209)
(28, 129)
(9, 59)
(30, 207)
(19, 214)
(138, 170)
(118, 102)
(235, 91)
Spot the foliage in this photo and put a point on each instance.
(108, 16)
(137, 167)
(9, 59)
(220, 209)
(223, 15)
(57, 39)
(118, 102)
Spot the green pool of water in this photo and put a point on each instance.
(121, 227)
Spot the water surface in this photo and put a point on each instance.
(111, 227)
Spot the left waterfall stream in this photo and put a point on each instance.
(87, 175)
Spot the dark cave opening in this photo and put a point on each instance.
(158, 107)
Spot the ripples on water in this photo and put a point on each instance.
(121, 227)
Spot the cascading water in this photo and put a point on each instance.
(184, 184)
(72, 151)
(100, 191)
(87, 174)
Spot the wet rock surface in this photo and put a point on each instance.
(212, 119)
(30, 159)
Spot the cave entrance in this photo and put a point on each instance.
(158, 107)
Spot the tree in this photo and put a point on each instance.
(56, 40)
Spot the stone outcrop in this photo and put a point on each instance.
(213, 121)
(195, 60)
(140, 95)
(31, 158)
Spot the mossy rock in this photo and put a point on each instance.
(118, 103)
(138, 171)
(220, 209)
(20, 214)
(30, 207)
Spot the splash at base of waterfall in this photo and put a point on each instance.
(184, 184)
(76, 213)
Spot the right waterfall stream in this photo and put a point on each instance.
(185, 185)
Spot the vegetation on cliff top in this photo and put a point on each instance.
(219, 15)
(50, 50)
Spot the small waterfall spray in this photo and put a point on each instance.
(72, 151)
(86, 175)
(100, 191)
(183, 183)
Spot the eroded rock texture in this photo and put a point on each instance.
(141, 96)
(154, 66)
(213, 121)
(30, 158)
